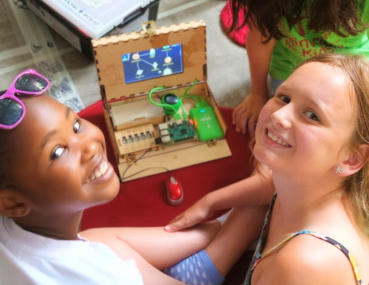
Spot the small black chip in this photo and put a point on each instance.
(183, 132)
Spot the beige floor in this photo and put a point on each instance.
(75, 76)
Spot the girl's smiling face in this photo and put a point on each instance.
(309, 124)
(61, 163)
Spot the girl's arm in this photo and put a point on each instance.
(255, 190)
(158, 247)
(259, 55)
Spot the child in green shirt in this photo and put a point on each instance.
(284, 33)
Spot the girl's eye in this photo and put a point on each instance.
(76, 126)
(57, 152)
(312, 116)
(284, 98)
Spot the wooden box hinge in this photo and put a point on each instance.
(212, 143)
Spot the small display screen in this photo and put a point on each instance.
(152, 63)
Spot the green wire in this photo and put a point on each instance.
(186, 95)
(198, 103)
(157, 104)
(175, 115)
(196, 98)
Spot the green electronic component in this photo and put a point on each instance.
(180, 131)
(170, 103)
(206, 123)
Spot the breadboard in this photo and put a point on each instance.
(135, 139)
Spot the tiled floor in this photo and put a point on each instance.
(76, 76)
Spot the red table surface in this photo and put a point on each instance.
(142, 202)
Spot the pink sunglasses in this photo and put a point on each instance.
(12, 109)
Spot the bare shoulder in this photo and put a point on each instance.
(308, 260)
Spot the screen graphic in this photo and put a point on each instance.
(153, 63)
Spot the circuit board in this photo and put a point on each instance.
(177, 131)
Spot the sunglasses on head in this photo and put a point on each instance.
(12, 109)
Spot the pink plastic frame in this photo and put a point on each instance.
(10, 94)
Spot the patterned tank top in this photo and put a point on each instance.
(258, 256)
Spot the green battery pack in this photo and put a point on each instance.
(206, 123)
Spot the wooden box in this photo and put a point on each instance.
(129, 66)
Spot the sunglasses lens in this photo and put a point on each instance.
(10, 111)
(30, 83)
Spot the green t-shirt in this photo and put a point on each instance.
(301, 44)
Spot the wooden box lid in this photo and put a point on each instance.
(109, 53)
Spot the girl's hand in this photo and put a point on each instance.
(197, 213)
(246, 114)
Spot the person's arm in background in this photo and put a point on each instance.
(245, 115)
(258, 189)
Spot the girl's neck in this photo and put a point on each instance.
(299, 197)
(65, 227)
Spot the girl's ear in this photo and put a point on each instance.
(12, 204)
(356, 160)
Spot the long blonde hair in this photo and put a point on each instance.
(356, 186)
